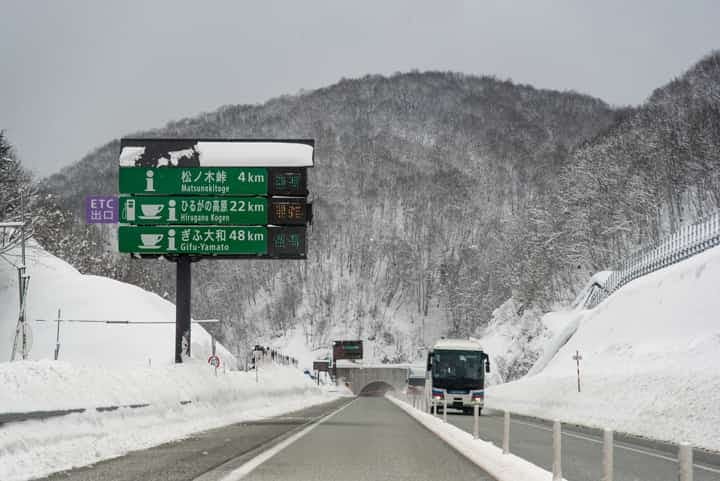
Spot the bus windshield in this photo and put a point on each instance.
(461, 366)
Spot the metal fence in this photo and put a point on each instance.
(681, 244)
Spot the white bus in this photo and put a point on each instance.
(456, 371)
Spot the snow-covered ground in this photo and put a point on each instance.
(54, 284)
(32, 449)
(649, 352)
(116, 365)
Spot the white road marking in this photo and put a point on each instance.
(617, 445)
(249, 466)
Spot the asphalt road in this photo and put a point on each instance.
(367, 438)
(201, 456)
(635, 459)
(371, 439)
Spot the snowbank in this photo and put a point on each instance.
(36, 448)
(504, 467)
(54, 284)
(105, 365)
(649, 353)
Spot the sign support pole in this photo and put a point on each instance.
(182, 308)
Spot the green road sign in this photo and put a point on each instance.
(205, 210)
(214, 240)
(347, 350)
(159, 210)
(213, 180)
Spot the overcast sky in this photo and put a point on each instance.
(75, 74)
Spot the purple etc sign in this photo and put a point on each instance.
(100, 209)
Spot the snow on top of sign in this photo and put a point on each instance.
(231, 154)
(129, 155)
(255, 154)
(176, 155)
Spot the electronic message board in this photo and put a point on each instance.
(347, 350)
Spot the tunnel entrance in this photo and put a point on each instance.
(377, 388)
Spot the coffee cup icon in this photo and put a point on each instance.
(151, 210)
(150, 241)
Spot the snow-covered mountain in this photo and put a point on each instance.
(438, 197)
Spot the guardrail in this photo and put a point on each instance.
(266, 355)
(421, 403)
(686, 242)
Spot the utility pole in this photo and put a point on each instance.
(577, 358)
(24, 277)
(23, 282)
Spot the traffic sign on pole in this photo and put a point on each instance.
(213, 180)
(187, 199)
(258, 241)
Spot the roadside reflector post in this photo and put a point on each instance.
(445, 409)
(506, 433)
(57, 338)
(433, 406)
(607, 455)
(557, 451)
(476, 425)
(685, 461)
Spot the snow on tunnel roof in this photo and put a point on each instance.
(217, 152)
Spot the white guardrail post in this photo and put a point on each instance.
(557, 451)
(476, 424)
(444, 409)
(506, 433)
(685, 462)
(607, 455)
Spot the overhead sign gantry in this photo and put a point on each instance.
(189, 199)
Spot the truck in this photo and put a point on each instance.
(456, 372)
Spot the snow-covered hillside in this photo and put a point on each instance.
(649, 353)
(54, 285)
(117, 365)
(33, 449)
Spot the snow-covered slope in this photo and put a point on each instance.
(649, 356)
(521, 340)
(54, 285)
(116, 365)
(34, 449)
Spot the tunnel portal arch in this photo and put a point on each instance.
(359, 378)
(376, 388)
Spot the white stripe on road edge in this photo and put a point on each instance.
(487, 456)
(248, 467)
(618, 445)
